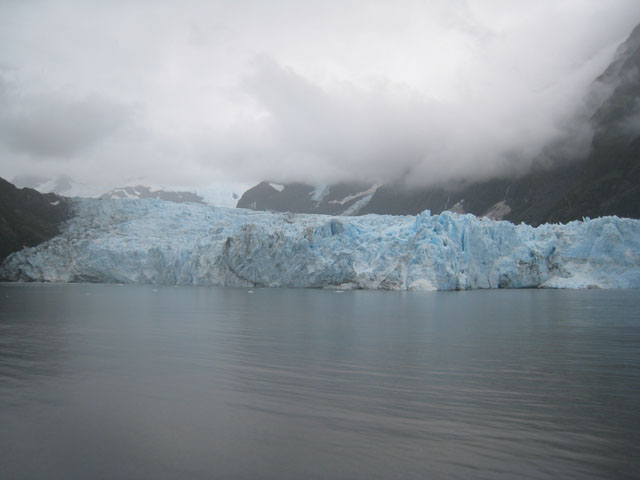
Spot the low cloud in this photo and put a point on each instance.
(200, 92)
(57, 125)
(313, 132)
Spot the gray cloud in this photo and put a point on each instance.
(318, 91)
(58, 125)
(390, 131)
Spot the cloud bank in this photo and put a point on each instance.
(242, 91)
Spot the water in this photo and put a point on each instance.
(129, 382)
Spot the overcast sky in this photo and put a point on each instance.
(194, 92)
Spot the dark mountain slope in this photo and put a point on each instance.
(610, 181)
(338, 199)
(520, 199)
(28, 217)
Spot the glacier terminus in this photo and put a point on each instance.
(157, 242)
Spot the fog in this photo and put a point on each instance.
(194, 93)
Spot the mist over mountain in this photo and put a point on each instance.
(593, 170)
(431, 94)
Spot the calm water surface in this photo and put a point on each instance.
(129, 382)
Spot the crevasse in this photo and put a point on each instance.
(151, 241)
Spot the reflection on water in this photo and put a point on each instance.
(160, 382)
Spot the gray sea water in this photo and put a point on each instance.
(143, 382)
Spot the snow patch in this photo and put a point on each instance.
(217, 194)
(498, 211)
(277, 186)
(357, 206)
(320, 192)
(349, 198)
(458, 207)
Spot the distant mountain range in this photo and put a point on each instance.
(61, 185)
(219, 195)
(603, 181)
(140, 191)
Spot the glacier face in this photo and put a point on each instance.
(151, 241)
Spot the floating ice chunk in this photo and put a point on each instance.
(422, 284)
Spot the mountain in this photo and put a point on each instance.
(560, 187)
(339, 199)
(151, 241)
(28, 218)
(526, 199)
(140, 191)
(62, 185)
(610, 180)
(215, 194)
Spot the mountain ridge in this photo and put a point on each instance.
(560, 187)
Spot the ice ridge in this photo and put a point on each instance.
(151, 241)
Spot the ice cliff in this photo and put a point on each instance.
(151, 241)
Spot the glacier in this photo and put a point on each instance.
(156, 242)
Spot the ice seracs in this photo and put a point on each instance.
(151, 241)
